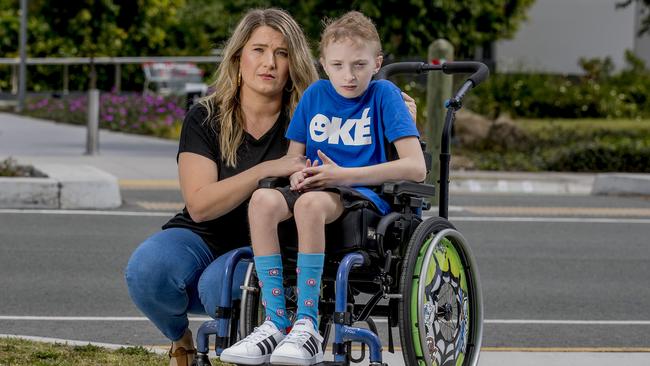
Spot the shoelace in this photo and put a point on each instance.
(297, 336)
(256, 336)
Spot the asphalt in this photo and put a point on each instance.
(128, 161)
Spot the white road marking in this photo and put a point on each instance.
(599, 220)
(577, 220)
(87, 318)
(376, 319)
(87, 212)
(567, 322)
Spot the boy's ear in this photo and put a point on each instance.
(378, 61)
(322, 64)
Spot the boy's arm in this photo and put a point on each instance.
(409, 166)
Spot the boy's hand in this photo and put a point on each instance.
(327, 174)
(296, 178)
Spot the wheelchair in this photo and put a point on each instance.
(422, 269)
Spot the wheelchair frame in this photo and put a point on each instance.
(441, 311)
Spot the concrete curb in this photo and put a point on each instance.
(66, 187)
(521, 183)
(29, 193)
(622, 184)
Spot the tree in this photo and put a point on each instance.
(645, 22)
(90, 28)
(407, 27)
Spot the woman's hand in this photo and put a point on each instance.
(319, 176)
(284, 166)
(412, 107)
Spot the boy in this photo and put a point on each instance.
(341, 125)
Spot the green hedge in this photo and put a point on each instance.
(599, 93)
(574, 145)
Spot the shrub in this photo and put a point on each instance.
(577, 146)
(132, 113)
(596, 94)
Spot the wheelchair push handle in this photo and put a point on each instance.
(405, 68)
(479, 70)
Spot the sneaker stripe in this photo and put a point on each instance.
(314, 343)
(310, 347)
(267, 344)
(262, 348)
(273, 341)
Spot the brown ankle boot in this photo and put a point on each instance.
(180, 355)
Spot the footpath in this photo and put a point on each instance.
(76, 180)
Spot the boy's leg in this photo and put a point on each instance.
(303, 346)
(266, 210)
(313, 211)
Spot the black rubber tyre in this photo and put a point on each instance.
(440, 319)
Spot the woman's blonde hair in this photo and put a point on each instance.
(352, 25)
(224, 104)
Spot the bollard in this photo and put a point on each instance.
(66, 80)
(92, 137)
(118, 78)
(439, 89)
(22, 70)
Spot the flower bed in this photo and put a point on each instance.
(132, 113)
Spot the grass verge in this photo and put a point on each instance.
(20, 352)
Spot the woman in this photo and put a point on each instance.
(229, 141)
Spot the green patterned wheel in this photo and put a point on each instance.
(441, 310)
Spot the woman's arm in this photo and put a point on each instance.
(296, 148)
(409, 166)
(206, 197)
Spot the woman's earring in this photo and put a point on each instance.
(289, 90)
(239, 79)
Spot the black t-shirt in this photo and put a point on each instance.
(231, 230)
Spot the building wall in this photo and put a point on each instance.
(559, 32)
(642, 44)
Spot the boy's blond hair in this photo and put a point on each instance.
(353, 26)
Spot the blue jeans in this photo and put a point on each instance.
(173, 273)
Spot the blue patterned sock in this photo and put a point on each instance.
(269, 273)
(310, 270)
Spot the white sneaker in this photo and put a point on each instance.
(256, 348)
(302, 346)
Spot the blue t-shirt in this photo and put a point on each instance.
(352, 131)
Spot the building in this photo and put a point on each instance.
(559, 32)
